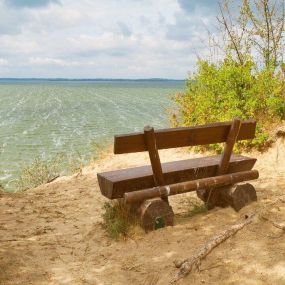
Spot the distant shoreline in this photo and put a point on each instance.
(89, 80)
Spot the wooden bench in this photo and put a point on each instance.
(150, 185)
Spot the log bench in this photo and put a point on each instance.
(216, 179)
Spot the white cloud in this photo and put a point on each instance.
(51, 61)
(18, 45)
(4, 62)
(93, 38)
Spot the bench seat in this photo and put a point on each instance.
(113, 184)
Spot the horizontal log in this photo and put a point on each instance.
(185, 136)
(179, 188)
(113, 184)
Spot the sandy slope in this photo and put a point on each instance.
(53, 234)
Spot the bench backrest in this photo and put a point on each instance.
(185, 136)
(152, 141)
(114, 185)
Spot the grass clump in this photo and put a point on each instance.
(195, 207)
(2, 189)
(39, 172)
(100, 150)
(118, 218)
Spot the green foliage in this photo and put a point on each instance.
(118, 218)
(195, 207)
(39, 172)
(226, 90)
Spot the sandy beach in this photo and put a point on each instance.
(54, 235)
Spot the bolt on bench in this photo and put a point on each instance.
(214, 178)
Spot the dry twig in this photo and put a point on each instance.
(276, 225)
(187, 264)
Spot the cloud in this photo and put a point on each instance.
(4, 62)
(125, 30)
(185, 28)
(29, 3)
(126, 39)
(193, 22)
(49, 61)
(191, 5)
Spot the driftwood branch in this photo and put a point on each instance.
(52, 179)
(276, 225)
(279, 226)
(187, 265)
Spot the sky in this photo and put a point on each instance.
(104, 39)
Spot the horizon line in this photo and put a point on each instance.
(91, 79)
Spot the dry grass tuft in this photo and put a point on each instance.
(39, 172)
(195, 207)
(2, 189)
(100, 150)
(119, 218)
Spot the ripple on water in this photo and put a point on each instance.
(50, 118)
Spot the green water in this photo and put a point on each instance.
(46, 118)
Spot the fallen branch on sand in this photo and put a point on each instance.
(52, 179)
(279, 226)
(187, 264)
(276, 225)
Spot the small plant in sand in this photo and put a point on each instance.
(76, 163)
(39, 172)
(118, 218)
(100, 150)
(2, 189)
(195, 207)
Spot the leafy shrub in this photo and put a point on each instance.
(118, 218)
(226, 90)
(39, 172)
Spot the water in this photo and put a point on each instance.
(43, 118)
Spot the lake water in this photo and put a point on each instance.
(43, 118)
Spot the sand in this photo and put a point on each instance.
(54, 235)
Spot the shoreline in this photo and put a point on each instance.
(104, 151)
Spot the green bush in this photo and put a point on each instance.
(226, 90)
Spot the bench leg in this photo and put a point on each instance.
(237, 196)
(156, 213)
